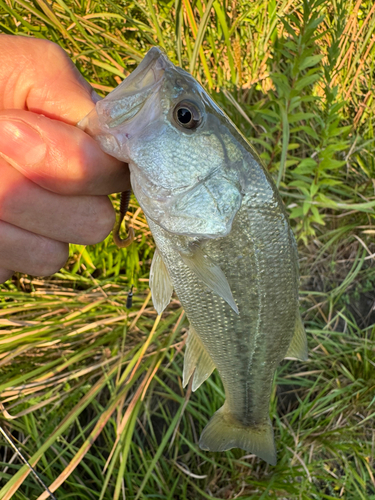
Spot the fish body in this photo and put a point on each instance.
(223, 241)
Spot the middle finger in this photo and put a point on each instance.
(82, 220)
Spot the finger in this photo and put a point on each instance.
(57, 156)
(83, 220)
(39, 76)
(29, 253)
(5, 274)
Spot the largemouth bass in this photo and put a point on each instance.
(223, 241)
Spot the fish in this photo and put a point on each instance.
(223, 241)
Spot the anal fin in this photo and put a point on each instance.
(160, 283)
(211, 275)
(298, 345)
(198, 359)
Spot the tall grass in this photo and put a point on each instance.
(91, 391)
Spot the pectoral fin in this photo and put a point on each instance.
(196, 357)
(160, 283)
(211, 275)
(298, 346)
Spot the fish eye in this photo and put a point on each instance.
(187, 115)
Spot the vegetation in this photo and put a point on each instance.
(90, 391)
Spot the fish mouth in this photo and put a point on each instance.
(129, 97)
(148, 73)
(127, 100)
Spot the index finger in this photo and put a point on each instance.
(37, 75)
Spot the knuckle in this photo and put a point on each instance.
(52, 50)
(49, 51)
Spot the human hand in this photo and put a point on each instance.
(53, 176)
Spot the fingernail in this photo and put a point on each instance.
(20, 143)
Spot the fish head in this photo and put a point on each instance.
(185, 161)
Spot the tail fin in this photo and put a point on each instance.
(224, 432)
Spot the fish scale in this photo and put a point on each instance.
(223, 241)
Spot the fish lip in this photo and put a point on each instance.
(156, 60)
(127, 100)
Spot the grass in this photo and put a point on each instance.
(92, 392)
